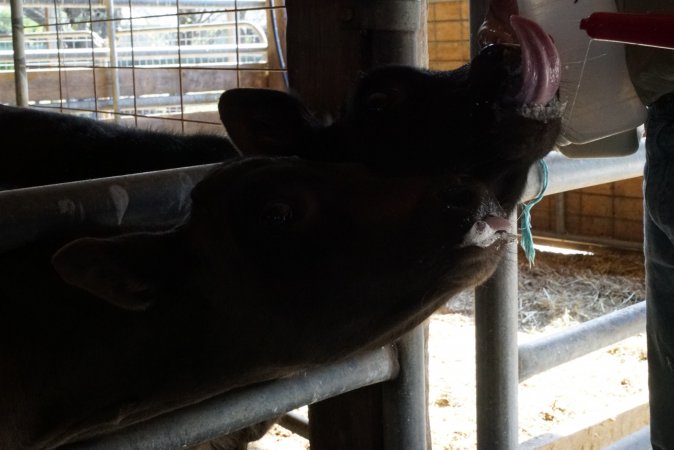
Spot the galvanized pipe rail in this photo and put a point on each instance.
(163, 196)
(550, 351)
(19, 54)
(405, 399)
(565, 174)
(160, 199)
(495, 330)
(495, 428)
(235, 410)
(496, 356)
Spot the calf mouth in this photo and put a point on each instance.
(485, 222)
(489, 230)
(540, 63)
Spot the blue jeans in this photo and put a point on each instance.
(659, 255)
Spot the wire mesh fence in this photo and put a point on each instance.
(159, 63)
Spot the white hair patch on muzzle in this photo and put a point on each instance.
(485, 232)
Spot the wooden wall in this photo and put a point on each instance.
(448, 34)
(611, 211)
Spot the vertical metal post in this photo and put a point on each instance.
(405, 398)
(478, 11)
(20, 72)
(112, 46)
(496, 330)
(358, 36)
(496, 308)
(397, 31)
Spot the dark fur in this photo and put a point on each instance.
(285, 263)
(52, 148)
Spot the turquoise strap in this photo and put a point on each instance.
(527, 240)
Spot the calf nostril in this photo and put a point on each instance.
(459, 196)
(277, 214)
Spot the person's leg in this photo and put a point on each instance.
(659, 256)
(660, 306)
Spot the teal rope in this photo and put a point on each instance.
(527, 240)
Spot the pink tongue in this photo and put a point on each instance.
(541, 67)
(498, 223)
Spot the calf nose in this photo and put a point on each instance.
(462, 196)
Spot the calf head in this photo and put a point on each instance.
(283, 264)
(489, 120)
(296, 249)
(325, 238)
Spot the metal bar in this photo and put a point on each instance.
(27, 213)
(81, 57)
(112, 45)
(149, 101)
(398, 33)
(297, 424)
(566, 174)
(405, 398)
(18, 45)
(591, 240)
(496, 329)
(550, 351)
(232, 411)
(397, 29)
(478, 11)
(496, 306)
(221, 4)
(85, 36)
(496, 356)
(160, 198)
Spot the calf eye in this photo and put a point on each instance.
(277, 214)
(378, 101)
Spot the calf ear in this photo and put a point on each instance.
(265, 122)
(128, 271)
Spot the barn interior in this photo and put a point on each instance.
(163, 64)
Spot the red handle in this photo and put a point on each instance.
(653, 30)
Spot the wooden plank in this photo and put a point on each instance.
(602, 189)
(202, 79)
(628, 208)
(596, 226)
(192, 123)
(596, 436)
(330, 44)
(630, 230)
(630, 188)
(325, 56)
(595, 205)
(52, 84)
(324, 53)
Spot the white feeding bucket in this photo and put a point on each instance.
(603, 110)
